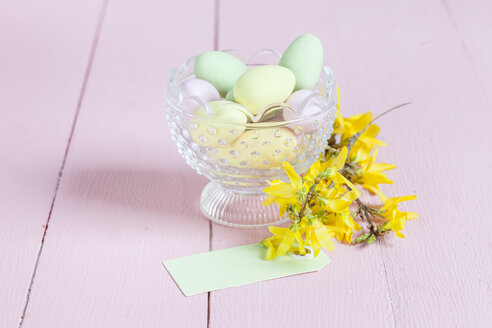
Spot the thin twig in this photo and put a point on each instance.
(353, 139)
(309, 196)
(390, 110)
(363, 211)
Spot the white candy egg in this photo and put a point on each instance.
(295, 101)
(198, 88)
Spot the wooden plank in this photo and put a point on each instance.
(472, 23)
(127, 200)
(439, 276)
(456, 287)
(45, 49)
(329, 297)
(385, 53)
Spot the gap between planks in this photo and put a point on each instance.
(471, 62)
(387, 284)
(210, 226)
(216, 44)
(95, 41)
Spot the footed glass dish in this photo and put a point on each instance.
(240, 158)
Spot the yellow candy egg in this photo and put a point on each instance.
(264, 85)
(260, 149)
(219, 129)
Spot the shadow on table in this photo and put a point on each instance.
(163, 191)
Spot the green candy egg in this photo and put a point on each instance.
(264, 85)
(304, 57)
(219, 129)
(220, 69)
(230, 95)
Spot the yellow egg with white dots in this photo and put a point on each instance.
(219, 128)
(260, 149)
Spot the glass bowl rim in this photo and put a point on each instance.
(329, 96)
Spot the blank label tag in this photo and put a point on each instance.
(236, 266)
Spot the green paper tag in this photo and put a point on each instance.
(236, 266)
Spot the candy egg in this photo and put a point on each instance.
(230, 95)
(304, 57)
(226, 156)
(295, 101)
(264, 85)
(219, 68)
(198, 88)
(264, 148)
(221, 128)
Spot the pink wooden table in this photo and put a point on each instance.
(93, 194)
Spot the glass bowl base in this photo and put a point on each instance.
(234, 209)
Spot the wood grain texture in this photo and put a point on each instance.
(124, 202)
(385, 53)
(439, 276)
(127, 200)
(471, 21)
(353, 278)
(44, 51)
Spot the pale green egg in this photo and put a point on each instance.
(304, 57)
(220, 69)
(219, 129)
(264, 85)
(230, 95)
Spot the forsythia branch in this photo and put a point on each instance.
(323, 211)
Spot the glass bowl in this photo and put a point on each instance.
(240, 158)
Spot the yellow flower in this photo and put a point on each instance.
(355, 124)
(338, 124)
(332, 195)
(270, 244)
(338, 96)
(341, 225)
(314, 170)
(377, 191)
(284, 193)
(317, 235)
(397, 219)
(373, 173)
(365, 143)
(331, 202)
(321, 238)
(284, 240)
(336, 164)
